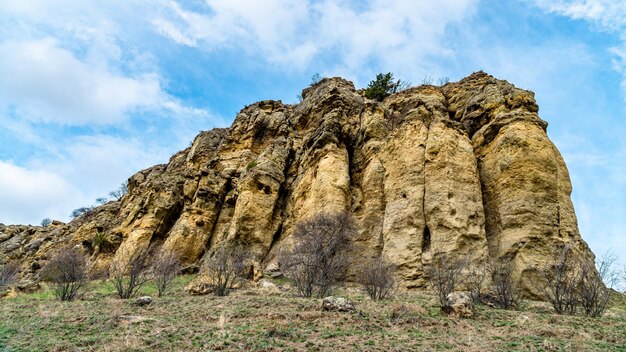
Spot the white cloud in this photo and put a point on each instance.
(44, 82)
(29, 194)
(610, 14)
(74, 63)
(605, 15)
(77, 63)
(619, 61)
(99, 163)
(272, 27)
(85, 168)
(170, 30)
(293, 33)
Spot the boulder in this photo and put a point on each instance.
(199, 288)
(143, 301)
(267, 285)
(459, 304)
(337, 304)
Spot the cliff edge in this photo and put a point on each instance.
(465, 169)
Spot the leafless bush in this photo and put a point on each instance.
(8, 274)
(120, 192)
(165, 268)
(596, 284)
(302, 269)
(475, 280)
(376, 278)
(562, 280)
(442, 81)
(129, 272)
(319, 259)
(227, 268)
(427, 80)
(67, 272)
(504, 287)
(315, 79)
(81, 211)
(445, 275)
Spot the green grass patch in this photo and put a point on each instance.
(249, 319)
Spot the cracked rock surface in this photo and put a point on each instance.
(465, 169)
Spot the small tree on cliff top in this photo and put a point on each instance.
(384, 85)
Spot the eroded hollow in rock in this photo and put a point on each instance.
(426, 239)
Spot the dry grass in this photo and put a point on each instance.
(261, 320)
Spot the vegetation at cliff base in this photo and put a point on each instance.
(276, 319)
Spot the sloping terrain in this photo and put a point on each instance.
(257, 319)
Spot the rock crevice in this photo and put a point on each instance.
(464, 170)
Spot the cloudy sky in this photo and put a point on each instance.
(93, 91)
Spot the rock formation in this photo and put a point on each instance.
(465, 169)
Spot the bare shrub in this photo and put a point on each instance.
(427, 80)
(562, 281)
(445, 275)
(227, 268)
(8, 274)
(315, 79)
(475, 280)
(46, 222)
(81, 211)
(120, 192)
(504, 287)
(67, 272)
(596, 285)
(129, 272)
(303, 270)
(319, 259)
(165, 268)
(376, 278)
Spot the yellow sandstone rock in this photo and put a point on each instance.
(465, 170)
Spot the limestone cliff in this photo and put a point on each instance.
(465, 169)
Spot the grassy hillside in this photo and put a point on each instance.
(272, 319)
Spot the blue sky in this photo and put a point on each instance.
(93, 91)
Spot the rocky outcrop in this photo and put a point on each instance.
(465, 170)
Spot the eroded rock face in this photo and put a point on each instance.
(465, 170)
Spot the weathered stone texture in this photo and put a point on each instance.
(466, 170)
